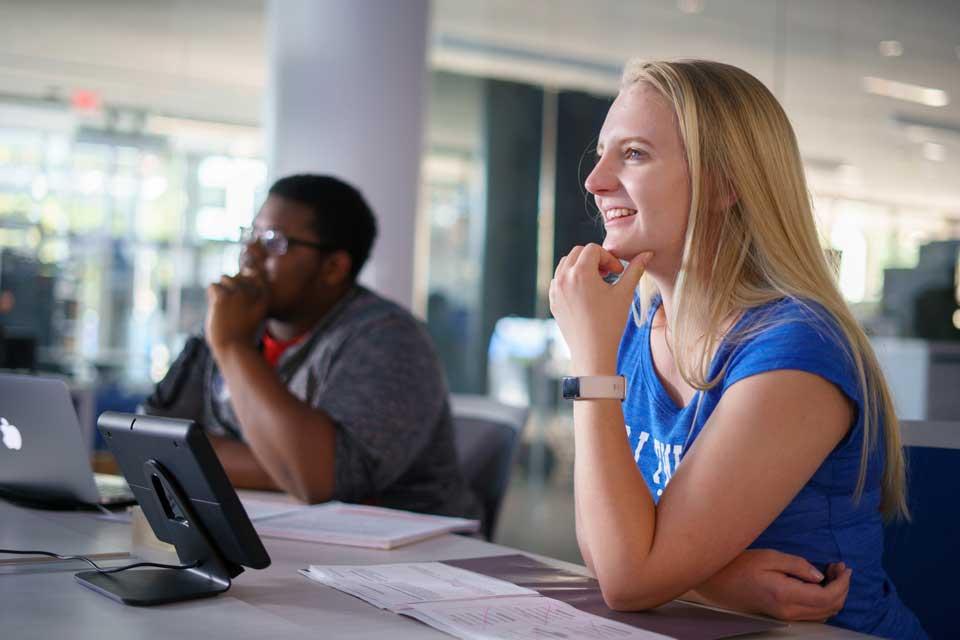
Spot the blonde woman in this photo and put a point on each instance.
(756, 449)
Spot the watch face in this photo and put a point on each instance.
(571, 388)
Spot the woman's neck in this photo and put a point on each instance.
(666, 287)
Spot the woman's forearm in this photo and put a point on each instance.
(616, 515)
(581, 536)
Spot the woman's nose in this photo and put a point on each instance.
(602, 179)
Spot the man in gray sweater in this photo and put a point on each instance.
(308, 382)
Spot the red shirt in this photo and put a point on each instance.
(273, 348)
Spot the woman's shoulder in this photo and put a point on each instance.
(791, 333)
(787, 320)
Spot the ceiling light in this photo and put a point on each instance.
(905, 91)
(891, 48)
(934, 151)
(690, 6)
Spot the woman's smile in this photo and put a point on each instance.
(618, 217)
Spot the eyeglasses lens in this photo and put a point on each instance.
(275, 243)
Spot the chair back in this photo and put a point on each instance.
(922, 556)
(486, 434)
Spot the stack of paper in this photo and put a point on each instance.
(358, 525)
(469, 605)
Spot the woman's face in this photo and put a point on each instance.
(640, 182)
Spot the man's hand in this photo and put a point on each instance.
(237, 306)
(778, 585)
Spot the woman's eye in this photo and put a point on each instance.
(635, 154)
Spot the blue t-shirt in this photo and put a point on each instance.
(822, 523)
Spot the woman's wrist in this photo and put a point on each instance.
(594, 367)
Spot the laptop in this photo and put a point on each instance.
(43, 458)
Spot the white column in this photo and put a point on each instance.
(346, 97)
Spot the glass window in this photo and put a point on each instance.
(109, 239)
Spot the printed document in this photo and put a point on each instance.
(395, 586)
(522, 619)
(470, 605)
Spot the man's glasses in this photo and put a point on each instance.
(276, 243)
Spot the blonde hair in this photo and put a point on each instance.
(740, 148)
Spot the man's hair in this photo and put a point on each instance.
(341, 215)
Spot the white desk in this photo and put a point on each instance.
(43, 601)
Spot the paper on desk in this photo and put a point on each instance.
(521, 619)
(259, 509)
(396, 586)
(358, 525)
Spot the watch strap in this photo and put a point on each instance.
(594, 387)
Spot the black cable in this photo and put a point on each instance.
(176, 567)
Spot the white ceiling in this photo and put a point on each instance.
(204, 59)
(207, 60)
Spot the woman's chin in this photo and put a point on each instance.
(620, 252)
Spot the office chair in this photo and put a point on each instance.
(486, 434)
(922, 556)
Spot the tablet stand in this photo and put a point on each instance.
(144, 587)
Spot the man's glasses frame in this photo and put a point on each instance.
(277, 243)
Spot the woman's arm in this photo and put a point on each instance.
(581, 540)
(775, 584)
(763, 442)
(765, 439)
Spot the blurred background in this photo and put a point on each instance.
(137, 137)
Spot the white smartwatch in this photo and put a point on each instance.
(594, 387)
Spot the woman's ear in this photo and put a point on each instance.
(726, 194)
(728, 198)
(336, 268)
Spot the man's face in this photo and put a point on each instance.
(293, 278)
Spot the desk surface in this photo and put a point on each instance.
(43, 601)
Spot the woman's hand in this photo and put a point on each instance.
(778, 585)
(590, 312)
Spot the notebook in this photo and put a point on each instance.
(358, 525)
